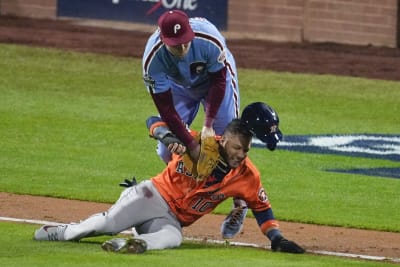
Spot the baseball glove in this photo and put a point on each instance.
(208, 159)
(283, 245)
(188, 161)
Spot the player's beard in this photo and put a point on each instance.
(232, 161)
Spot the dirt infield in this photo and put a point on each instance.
(371, 62)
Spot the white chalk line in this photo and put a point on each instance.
(240, 244)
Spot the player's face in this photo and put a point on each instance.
(235, 149)
(179, 50)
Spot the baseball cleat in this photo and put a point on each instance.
(233, 223)
(114, 245)
(124, 245)
(50, 233)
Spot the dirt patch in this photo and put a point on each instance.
(370, 62)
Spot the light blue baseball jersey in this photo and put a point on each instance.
(189, 75)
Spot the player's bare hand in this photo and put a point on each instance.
(177, 148)
(207, 132)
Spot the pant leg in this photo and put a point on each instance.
(135, 206)
(160, 233)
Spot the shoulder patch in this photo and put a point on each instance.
(222, 57)
(262, 195)
(149, 83)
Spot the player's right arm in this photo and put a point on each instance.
(155, 68)
(166, 108)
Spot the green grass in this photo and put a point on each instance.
(300, 190)
(318, 104)
(60, 129)
(19, 249)
(72, 126)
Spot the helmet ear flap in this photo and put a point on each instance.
(273, 139)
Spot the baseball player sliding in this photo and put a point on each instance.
(158, 208)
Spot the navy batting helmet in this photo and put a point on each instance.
(263, 122)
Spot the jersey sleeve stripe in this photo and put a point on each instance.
(151, 55)
(210, 38)
(218, 43)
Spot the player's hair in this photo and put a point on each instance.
(236, 127)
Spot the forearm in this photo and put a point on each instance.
(268, 224)
(270, 227)
(165, 107)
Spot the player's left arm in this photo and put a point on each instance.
(270, 227)
(257, 199)
(215, 96)
(217, 68)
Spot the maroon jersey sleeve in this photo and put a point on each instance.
(215, 95)
(165, 107)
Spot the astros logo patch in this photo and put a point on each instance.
(262, 195)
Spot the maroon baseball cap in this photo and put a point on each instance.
(175, 28)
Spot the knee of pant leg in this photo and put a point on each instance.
(178, 236)
(174, 235)
(167, 237)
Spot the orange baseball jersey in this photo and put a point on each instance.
(189, 200)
